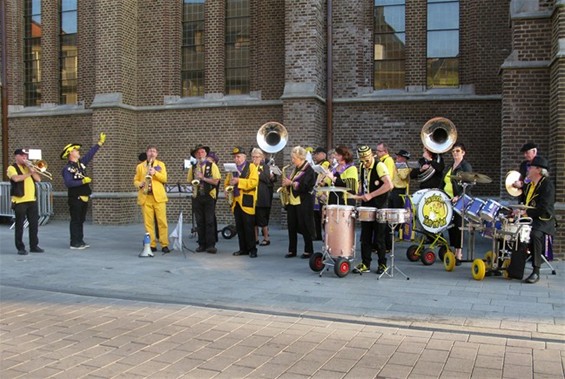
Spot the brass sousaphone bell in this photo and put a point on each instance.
(272, 137)
(438, 136)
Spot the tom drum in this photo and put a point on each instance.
(339, 227)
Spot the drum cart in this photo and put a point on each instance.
(506, 237)
(427, 255)
(339, 240)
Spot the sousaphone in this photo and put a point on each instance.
(438, 136)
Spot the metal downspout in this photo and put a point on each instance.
(4, 62)
(329, 78)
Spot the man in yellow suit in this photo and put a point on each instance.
(150, 179)
(244, 183)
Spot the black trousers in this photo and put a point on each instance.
(245, 226)
(205, 217)
(455, 232)
(373, 234)
(394, 201)
(537, 247)
(29, 210)
(293, 221)
(77, 209)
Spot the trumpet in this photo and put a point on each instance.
(40, 166)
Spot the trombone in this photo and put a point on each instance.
(40, 166)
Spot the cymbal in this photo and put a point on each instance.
(331, 189)
(472, 177)
(520, 206)
(511, 178)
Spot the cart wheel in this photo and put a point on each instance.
(478, 270)
(489, 259)
(505, 265)
(441, 252)
(342, 267)
(228, 232)
(413, 253)
(449, 261)
(428, 258)
(317, 262)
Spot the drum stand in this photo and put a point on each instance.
(390, 269)
(471, 247)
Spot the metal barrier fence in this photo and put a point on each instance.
(44, 194)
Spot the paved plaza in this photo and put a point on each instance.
(103, 312)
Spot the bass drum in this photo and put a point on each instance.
(433, 210)
(339, 227)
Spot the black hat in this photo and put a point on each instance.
(540, 162)
(238, 150)
(20, 152)
(320, 150)
(403, 153)
(198, 147)
(527, 146)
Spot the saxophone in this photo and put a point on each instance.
(284, 194)
(229, 190)
(148, 177)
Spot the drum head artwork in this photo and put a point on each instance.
(434, 211)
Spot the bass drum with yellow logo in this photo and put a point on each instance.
(433, 210)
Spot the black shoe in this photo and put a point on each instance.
(200, 249)
(212, 250)
(85, 244)
(306, 255)
(22, 252)
(290, 255)
(253, 254)
(238, 253)
(165, 250)
(381, 269)
(153, 249)
(533, 278)
(457, 262)
(36, 249)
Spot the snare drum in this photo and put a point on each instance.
(474, 209)
(462, 204)
(381, 216)
(396, 215)
(433, 210)
(366, 214)
(490, 228)
(490, 210)
(339, 227)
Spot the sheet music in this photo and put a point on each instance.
(319, 169)
(230, 167)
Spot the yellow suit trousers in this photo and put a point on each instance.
(152, 209)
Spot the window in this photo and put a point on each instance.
(68, 59)
(389, 44)
(193, 48)
(443, 44)
(237, 46)
(32, 52)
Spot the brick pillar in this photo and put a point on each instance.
(557, 123)
(416, 42)
(116, 87)
(50, 51)
(215, 47)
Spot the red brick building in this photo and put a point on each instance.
(177, 73)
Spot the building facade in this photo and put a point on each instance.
(334, 72)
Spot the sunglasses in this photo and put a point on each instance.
(456, 151)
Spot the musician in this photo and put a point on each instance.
(150, 179)
(213, 157)
(24, 201)
(373, 192)
(400, 180)
(530, 151)
(264, 196)
(320, 158)
(345, 175)
(454, 190)
(244, 184)
(384, 156)
(204, 198)
(539, 193)
(300, 210)
(78, 185)
(430, 174)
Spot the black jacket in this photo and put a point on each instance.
(543, 199)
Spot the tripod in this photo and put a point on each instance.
(390, 269)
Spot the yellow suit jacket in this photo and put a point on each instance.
(157, 182)
(247, 190)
